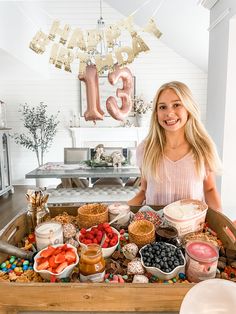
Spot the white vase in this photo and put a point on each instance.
(142, 120)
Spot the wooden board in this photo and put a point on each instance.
(96, 297)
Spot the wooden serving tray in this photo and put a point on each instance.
(100, 297)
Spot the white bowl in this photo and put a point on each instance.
(45, 274)
(106, 252)
(216, 296)
(161, 274)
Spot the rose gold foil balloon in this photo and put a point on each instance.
(90, 78)
(125, 93)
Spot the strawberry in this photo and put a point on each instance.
(113, 242)
(99, 239)
(52, 262)
(48, 251)
(95, 241)
(43, 266)
(31, 238)
(110, 235)
(60, 258)
(83, 231)
(61, 267)
(40, 260)
(70, 257)
(106, 225)
(90, 236)
(105, 245)
(99, 233)
(100, 227)
(108, 230)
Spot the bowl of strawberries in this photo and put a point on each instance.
(56, 261)
(104, 235)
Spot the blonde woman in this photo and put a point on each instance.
(178, 159)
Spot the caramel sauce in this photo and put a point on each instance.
(91, 260)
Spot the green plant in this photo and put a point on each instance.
(41, 129)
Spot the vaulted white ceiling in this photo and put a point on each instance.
(183, 23)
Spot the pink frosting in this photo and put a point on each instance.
(202, 250)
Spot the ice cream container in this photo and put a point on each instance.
(186, 215)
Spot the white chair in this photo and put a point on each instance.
(75, 155)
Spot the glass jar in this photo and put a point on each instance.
(42, 213)
(48, 233)
(92, 264)
(36, 215)
(201, 260)
(167, 234)
(3, 122)
(119, 209)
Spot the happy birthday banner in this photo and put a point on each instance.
(81, 45)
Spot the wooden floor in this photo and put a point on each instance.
(11, 204)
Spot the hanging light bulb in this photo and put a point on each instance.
(102, 46)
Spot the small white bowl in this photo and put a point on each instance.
(161, 274)
(45, 274)
(106, 252)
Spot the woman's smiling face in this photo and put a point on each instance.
(171, 113)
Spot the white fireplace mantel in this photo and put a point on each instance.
(118, 136)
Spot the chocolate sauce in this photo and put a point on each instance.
(167, 234)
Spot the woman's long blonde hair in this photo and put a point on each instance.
(203, 147)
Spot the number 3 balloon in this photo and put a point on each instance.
(124, 93)
(90, 78)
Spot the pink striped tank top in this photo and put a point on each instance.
(176, 180)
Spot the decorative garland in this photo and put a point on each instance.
(81, 45)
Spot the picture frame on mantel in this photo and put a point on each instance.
(105, 90)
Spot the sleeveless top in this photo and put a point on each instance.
(176, 180)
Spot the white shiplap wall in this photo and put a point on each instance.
(61, 90)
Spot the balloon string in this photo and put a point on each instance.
(139, 8)
(158, 8)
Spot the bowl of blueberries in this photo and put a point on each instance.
(163, 260)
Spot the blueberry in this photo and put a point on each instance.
(176, 263)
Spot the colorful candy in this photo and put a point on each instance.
(15, 264)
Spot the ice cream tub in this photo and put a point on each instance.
(186, 215)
